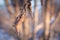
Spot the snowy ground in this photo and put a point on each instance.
(5, 36)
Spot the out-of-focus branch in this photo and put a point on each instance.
(55, 21)
(10, 8)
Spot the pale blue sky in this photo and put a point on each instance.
(38, 2)
(1, 2)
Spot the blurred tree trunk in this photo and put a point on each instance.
(35, 13)
(13, 13)
(47, 22)
(28, 19)
(22, 14)
(46, 18)
(35, 16)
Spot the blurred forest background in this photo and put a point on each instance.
(29, 19)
